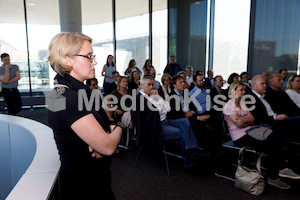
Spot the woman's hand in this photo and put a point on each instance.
(94, 153)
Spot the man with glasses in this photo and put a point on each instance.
(9, 76)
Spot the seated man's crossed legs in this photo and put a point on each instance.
(180, 129)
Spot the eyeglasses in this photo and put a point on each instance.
(90, 57)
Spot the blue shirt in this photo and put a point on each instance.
(201, 98)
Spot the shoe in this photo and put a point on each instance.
(194, 154)
(278, 183)
(288, 174)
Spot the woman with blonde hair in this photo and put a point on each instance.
(240, 121)
(165, 89)
(293, 89)
(84, 137)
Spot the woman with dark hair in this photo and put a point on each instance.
(234, 77)
(134, 83)
(131, 67)
(107, 71)
(240, 121)
(147, 66)
(84, 138)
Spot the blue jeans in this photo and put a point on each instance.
(180, 129)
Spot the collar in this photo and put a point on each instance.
(72, 83)
(258, 95)
(181, 93)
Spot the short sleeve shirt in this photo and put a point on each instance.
(230, 109)
(12, 73)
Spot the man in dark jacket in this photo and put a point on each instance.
(263, 113)
(172, 68)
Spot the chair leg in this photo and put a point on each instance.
(166, 158)
(137, 158)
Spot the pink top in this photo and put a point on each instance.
(230, 109)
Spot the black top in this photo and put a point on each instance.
(172, 69)
(281, 103)
(113, 86)
(77, 165)
(132, 85)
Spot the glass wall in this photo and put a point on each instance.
(159, 36)
(231, 34)
(40, 33)
(276, 36)
(187, 32)
(132, 33)
(13, 38)
(98, 24)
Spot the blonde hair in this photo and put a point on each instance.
(163, 78)
(234, 86)
(120, 80)
(62, 45)
(291, 79)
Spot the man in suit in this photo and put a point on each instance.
(113, 85)
(153, 126)
(209, 80)
(217, 90)
(264, 114)
(181, 107)
(279, 100)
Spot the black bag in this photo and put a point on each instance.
(249, 180)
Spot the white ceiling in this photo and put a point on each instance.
(93, 11)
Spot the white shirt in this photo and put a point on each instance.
(162, 106)
(295, 96)
(189, 79)
(267, 105)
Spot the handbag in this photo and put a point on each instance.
(249, 180)
(260, 132)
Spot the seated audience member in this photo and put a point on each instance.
(183, 74)
(189, 76)
(239, 119)
(119, 93)
(131, 67)
(279, 101)
(134, 83)
(293, 89)
(93, 84)
(146, 67)
(284, 73)
(244, 77)
(165, 90)
(205, 112)
(217, 90)
(156, 85)
(154, 126)
(264, 114)
(197, 72)
(180, 109)
(234, 77)
(209, 80)
(266, 76)
(113, 85)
